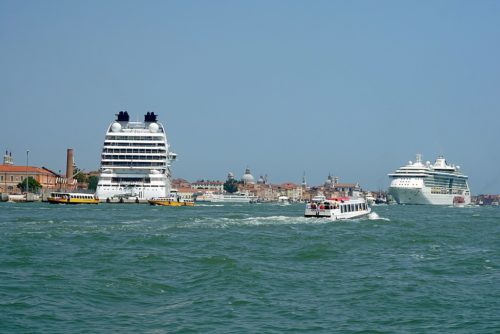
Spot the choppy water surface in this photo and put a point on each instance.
(247, 268)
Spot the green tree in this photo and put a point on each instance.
(33, 185)
(80, 176)
(93, 182)
(231, 186)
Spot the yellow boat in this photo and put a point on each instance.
(170, 201)
(72, 198)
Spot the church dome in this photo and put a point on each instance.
(329, 181)
(248, 177)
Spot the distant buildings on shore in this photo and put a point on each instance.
(12, 175)
(486, 200)
(266, 191)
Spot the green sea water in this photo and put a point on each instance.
(248, 268)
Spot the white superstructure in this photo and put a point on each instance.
(135, 159)
(437, 184)
(227, 198)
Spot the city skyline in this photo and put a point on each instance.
(351, 89)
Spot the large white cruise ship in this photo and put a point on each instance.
(437, 184)
(135, 159)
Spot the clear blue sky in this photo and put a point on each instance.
(354, 88)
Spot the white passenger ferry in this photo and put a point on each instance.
(337, 208)
(135, 159)
(238, 197)
(437, 184)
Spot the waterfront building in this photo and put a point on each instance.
(11, 176)
(486, 200)
(347, 189)
(334, 188)
(291, 190)
(215, 186)
(185, 193)
(180, 183)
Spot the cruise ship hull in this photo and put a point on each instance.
(422, 196)
(142, 193)
(154, 185)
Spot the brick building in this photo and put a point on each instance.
(11, 176)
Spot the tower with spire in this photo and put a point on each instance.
(7, 158)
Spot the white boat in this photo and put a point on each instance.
(135, 161)
(459, 201)
(337, 208)
(173, 199)
(370, 199)
(237, 197)
(283, 200)
(436, 184)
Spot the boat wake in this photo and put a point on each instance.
(375, 216)
(256, 221)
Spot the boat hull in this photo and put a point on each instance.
(170, 203)
(335, 214)
(72, 201)
(160, 189)
(423, 196)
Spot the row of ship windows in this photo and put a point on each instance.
(444, 177)
(125, 180)
(343, 207)
(107, 143)
(352, 207)
(134, 157)
(66, 196)
(446, 184)
(446, 187)
(114, 187)
(447, 191)
(407, 181)
(132, 164)
(132, 150)
(131, 179)
(135, 138)
(442, 180)
(436, 181)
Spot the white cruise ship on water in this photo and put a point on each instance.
(135, 160)
(437, 184)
